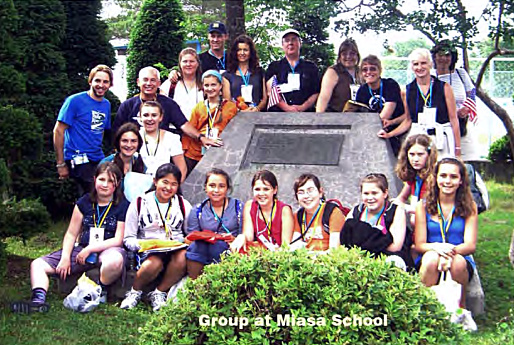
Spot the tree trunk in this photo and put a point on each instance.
(501, 113)
(235, 12)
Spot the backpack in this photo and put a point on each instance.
(180, 204)
(331, 204)
(478, 189)
(239, 210)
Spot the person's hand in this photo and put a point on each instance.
(211, 142)
(82, 256)
(63, 172)
(445, 250)
(251, 109)
(174, 76)
(291, 108)
(387, 122)
(463, 112)
(63, 268)
(383, 134)
(238, 243)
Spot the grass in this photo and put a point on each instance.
(110, 325)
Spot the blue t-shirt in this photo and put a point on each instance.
(231, 220)
(87, 208)
(87, 119)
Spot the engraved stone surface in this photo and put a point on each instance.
(246, 138)
(270, 146)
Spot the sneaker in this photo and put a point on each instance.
(157, 299)
(132, 298)
(24, 307)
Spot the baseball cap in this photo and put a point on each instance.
(290, 31)
(218, 27)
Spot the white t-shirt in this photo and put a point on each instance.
(186, 99)
(158, 153)
(459, 86)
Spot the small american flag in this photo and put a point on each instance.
(472, 106)
(275, 94)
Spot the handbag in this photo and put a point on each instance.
(448, 292)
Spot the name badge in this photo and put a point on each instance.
(96, 235)
(246, 93)
(293, 79)
(80, 159)
(213, 133)
(353, 91)
(427, 117)
(267, 243)
(413, 201)
(285, 88)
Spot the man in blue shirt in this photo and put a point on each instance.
(79, 130)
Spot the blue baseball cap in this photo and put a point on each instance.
(218, 27)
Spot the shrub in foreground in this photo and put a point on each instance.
(296, 298)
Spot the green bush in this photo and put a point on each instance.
(23, 219)
(327, 288)
(500, 150)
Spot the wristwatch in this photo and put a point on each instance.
(60, 165)
(200, 136)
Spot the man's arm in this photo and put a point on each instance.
(309, 103)
(62, 168)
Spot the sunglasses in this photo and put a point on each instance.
(369, 69)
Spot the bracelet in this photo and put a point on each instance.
(200, 136)
(60, 165)
(457, 147)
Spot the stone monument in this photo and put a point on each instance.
(340, 148)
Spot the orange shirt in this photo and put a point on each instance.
(316, 237)
(199, 119)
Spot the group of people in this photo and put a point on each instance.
(104, 227)
(164, 130)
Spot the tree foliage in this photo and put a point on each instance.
(157, 36)
(12, 81)
(86, 44)
(404, 48)
(41, 31)
(312, 20)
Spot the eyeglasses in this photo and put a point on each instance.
(291, 39)
(369, 69)
(310, 191)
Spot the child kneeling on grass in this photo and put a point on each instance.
(99, 219)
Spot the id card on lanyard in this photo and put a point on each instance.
(247, 88)
(96, 233)
(293, 79)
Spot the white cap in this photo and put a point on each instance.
(290, 31)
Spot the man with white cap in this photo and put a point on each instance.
(297, 78)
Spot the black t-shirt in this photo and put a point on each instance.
(87, 208)
(129, 111)
(390, 93)
(309, 80)
(209, 61)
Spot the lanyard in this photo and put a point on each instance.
(418, 186)
(245, 77)
(268, 224)
(212, 118)
(220, 219)
(221, 61)
(314, 217)
(101, 216)
(293, 67)
(426, 97)
(166, 216)
(373, 95)
(444, 224)
(377, 219)
(156, 147)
